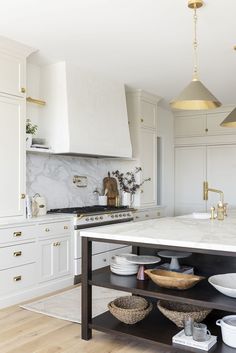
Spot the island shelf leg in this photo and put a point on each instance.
(86, 302)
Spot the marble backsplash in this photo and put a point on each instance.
(52, 177)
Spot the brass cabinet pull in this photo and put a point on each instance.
(65, 227)
(59, 243)
(22, 196)
(54, 244)
(17, 253)
(146, 215)
(141, 191)
(17, 234)
(23, 90)
(17, 278)
(142, 120)
(47, 230)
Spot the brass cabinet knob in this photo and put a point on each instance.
(65, 227)
(23, 90)
(17, 234)
(17, 253)
(104, 260)
(59, 243)
(47, 230)
(206, 130)
(141, 120)
(17, 278)
(22, 196)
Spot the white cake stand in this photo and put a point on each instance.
(174, 256)
(142, 260)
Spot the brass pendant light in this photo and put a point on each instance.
(230, 120)
(195, 96)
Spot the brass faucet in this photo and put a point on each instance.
(206, 190)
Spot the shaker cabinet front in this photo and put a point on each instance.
(12, 157)
(12, 73)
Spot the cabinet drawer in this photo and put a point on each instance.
(17, 278)
(17, 255)
(149, 214)
(124, 250)
(57, 228)
(100, 260)
(15, 234)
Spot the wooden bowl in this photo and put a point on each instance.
(174, 280)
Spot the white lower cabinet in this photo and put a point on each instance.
(145, 214)
(17, 278)
(55, 258)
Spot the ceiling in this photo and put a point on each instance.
(144, 43)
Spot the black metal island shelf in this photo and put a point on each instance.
(155, 328)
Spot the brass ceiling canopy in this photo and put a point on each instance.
(195, 96)
(230, 120)
(195, 4)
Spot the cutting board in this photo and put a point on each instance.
(110, 184)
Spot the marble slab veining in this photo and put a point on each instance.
(174, 231)
(52, 177)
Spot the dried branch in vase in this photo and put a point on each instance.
(127, 181)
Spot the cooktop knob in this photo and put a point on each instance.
(86, 219)
(116, 215)
(112, 216)
(101, 217)
(120, 215)
(96, 218)
(91, 218)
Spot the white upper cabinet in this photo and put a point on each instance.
(142, 113)
(85, 114)
(12, 156)
(190, 126)
(12, 73)
(12, 127)
(203, 127)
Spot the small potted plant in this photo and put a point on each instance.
(30, 131)
(128, 185)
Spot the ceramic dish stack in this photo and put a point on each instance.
(120, 266)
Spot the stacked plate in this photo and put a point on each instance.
(120, 266)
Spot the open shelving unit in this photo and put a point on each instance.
(155, 328)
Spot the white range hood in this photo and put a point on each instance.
(85, 114)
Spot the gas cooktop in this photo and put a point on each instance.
(88, 209)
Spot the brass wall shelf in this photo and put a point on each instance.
(35, 101)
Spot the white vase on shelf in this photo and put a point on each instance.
(126, 199)
(28, 140)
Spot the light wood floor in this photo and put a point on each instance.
(22, 331)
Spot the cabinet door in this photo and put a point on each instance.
(190, 126)
(148, 159)
(190, 172)
(63, 257)
(46, 260)
(12, 156)
(221, 173)
(213, 125)
(12, 73)
(148, 114)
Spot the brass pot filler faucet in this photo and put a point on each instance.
(221, 206)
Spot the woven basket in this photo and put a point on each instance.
(177, 312)
(130, 309)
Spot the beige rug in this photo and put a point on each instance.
(67, 305)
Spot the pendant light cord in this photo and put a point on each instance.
(195, 45)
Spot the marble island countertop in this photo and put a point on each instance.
(184, 232)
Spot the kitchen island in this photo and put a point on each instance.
(215, 239)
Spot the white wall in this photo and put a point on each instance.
(165, 130)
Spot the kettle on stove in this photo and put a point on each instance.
(39, 207)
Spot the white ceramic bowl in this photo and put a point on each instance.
(226, 283)
(228, 330)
